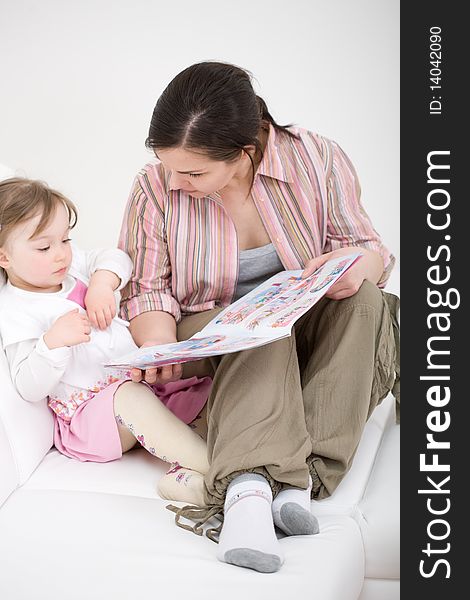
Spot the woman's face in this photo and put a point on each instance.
(196, 173)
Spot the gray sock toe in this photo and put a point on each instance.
(295, 520)
(253, 559)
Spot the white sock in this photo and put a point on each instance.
(247, 538)
(291, 511)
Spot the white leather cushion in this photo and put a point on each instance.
(380, 510)
(351, 490)
(135, 474)
(383, 589)
(28, 427)
(8, 474)
(76, 545)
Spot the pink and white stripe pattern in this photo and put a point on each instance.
(185, 249)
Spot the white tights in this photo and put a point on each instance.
(142, 417)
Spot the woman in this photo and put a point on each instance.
(232, 199)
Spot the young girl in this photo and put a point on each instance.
(58, 327)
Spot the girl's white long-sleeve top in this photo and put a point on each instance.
(67, 375)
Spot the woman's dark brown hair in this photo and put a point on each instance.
(210, 107)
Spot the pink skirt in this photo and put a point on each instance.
(92, 434)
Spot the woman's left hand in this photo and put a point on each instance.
(100, 301)
(369, 266)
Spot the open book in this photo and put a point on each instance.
(264, 315)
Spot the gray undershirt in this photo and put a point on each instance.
(256, 265)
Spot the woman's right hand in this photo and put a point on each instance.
(157, 375)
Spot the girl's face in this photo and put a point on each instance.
(199, 175)
(38, 263)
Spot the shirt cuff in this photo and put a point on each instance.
(58, 357)
(119, 263)
(117, 270)
(153, 301)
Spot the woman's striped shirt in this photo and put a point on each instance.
(185, 249)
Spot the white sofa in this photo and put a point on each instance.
(74, 531)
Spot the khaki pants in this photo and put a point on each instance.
(299, 404)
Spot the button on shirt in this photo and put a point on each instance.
(185, 249)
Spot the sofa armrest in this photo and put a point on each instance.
(26, 433)
(380, 511)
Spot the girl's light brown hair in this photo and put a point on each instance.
(22, 199)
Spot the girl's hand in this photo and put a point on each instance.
(369, 266)
(100, 302)
(157, 375)
(68, 330)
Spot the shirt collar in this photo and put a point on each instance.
(275, 162)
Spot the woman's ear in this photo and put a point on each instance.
(251, 150)
(4, 260)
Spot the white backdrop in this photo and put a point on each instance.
(79, 80)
